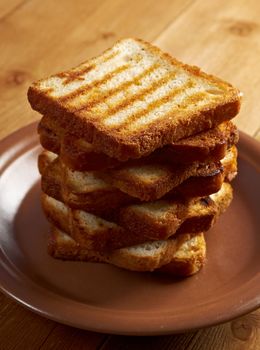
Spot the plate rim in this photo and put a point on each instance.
(246, 144)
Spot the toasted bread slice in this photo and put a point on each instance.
(95, 200)
(77, 154)
(133, 99)
(186, 254)
(137, 224)
(98, 234)
(88, 192)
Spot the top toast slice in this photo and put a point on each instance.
(133, 99)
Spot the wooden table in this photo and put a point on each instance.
(41, 37)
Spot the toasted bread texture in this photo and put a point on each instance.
(87, 191)
(77, 154)
(95, 233)
(186, 254)
(133, 99)
(138, 223)
(52, 176)
(229, 163)
(93, 195)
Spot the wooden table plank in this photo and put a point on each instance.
(67, 338)
(22, 329)
(42, 38)
(223, 38)
(9, 7)
(20, 326)
(242, 333)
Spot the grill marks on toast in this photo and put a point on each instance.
(76, 74)
(140, 96)
(92, 101)
(68, 77)
(88, 87)
(106, 93)
(163, 106)
(124, 122)
(194, 98)
(119, 87)
(111, 114)
(138, 109)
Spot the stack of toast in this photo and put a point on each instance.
(139, 152)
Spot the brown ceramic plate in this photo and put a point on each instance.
(107, 299)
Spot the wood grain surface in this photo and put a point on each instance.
(38, 38)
